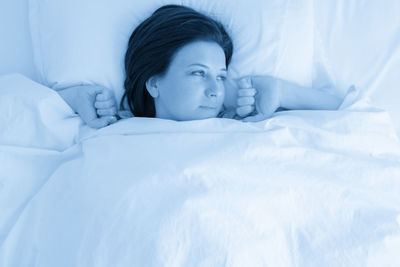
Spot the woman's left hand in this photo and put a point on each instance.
(266, 99)
(245, 97)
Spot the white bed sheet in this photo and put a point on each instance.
(304, 188)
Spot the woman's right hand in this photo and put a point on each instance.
(96, 105)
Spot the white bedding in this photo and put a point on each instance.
(304, 188)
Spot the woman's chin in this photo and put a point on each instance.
(208, 112)
(203, 116)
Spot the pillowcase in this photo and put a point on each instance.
(356, 42)
(84, 42)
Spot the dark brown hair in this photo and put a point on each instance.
(153, 44)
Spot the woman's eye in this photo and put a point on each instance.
(199, 73)
(221, 77)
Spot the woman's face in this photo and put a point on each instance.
(193, 86)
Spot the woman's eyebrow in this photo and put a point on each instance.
(204, 66)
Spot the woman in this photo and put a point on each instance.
(176, 68)
(176, 64)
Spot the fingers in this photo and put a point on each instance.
(107, 111)
(245, 97)
(105, 108)
(102, 121)
(245, 82)
(245, 106)
(104, 104)
(255, 118)
(244, 111)
(245, 101)
(96, 105)
(104, 95)
(247, 92)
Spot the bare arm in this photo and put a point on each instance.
(293, 96)
(273, 93)
(95, 104)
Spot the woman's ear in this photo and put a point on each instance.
(151, 86)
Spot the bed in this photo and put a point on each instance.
(303, 188)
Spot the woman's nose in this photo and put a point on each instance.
(211, 93)
(213, 89)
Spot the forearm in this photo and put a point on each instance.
(293, 96)
(95, 104)
(69, 96)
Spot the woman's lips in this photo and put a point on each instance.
(208, 107)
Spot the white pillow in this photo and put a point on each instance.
(79, 42)
(356, 42)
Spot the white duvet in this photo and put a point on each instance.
(303, 188)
